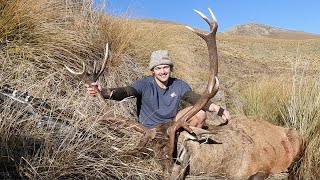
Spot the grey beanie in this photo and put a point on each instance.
(160, 57)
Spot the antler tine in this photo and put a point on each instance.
(213, 24)
(92, 77)
(77, 73)
(190, 28)
(205, 18)
(213, 16)
(105, 60)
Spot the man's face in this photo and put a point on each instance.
(162, 72)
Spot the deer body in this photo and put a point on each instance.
(246, 147)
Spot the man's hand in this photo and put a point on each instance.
(90, 89)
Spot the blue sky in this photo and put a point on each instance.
(301, 15)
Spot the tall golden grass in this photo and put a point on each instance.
(303, 113)
(266, 98)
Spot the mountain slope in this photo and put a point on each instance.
(261, 30)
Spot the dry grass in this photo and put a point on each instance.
(302, 112)
(265, 98)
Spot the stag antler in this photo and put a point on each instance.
(96, 73)
(213, 83)
(148, 134)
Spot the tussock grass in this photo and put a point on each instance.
(302, 112)
(265, 98)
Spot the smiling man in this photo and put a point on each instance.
(158, 96)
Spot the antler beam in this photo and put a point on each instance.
(213, 83)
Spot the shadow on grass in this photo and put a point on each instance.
(13, 150)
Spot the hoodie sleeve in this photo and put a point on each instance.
(192, 97)
(118, 93)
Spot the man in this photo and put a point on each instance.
(158, 96)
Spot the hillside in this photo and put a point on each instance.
(262, 30)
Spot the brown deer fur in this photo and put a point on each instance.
(246, 147)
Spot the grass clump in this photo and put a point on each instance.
(302, 112)
(265, 98)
